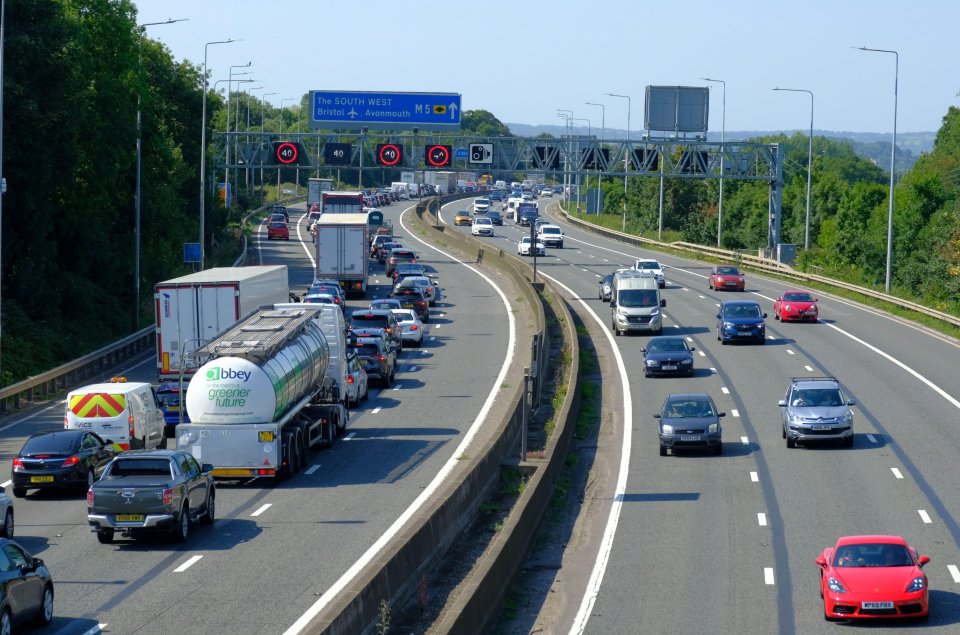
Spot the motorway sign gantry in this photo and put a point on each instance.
(346, 110)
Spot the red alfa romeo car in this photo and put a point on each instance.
(871, 577)
(795, 305)
(726, 277)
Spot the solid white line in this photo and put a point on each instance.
(186, 565)
(376, 410)
(924, 516)
(745, 440)
(808, 369)
(872, 438)
(262, 509)
(768, 575)
(350, 436)
(310, 470)
(96, 629)
(789, 352)
(6, 484)
(762, 519)
(735, 412)
(724, 390)
(954, 572)
(442, 475)
(754, 477)
(896, 472)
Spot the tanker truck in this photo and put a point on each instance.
(274, 388)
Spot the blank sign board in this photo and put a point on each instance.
(677, 108)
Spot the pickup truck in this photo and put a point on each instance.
(151, 491)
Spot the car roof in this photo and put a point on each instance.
(74, 432)
(814, 382)
(740, 303)
(148, 454)
(876, 538)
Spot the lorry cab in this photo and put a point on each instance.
(125, 413)
(635, 303)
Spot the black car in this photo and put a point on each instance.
(412, 297)
(374, 320)
(62, 458)
(26, 587)
(689, 421)
(495, 217)
(399, 256)
(405, 270)
(378, 360)
(667, 355)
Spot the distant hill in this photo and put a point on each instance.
(873, 146)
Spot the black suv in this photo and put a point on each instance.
(378, 360)
(398, 256)
(412, 297)
(374, 320)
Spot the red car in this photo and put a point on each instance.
(795, 305)
(873, 577)
(725, 277)
(278, 229)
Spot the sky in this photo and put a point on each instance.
(522, 60)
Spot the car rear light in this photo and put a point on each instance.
(413, 327)
(17, 464)
(90, 497)
(66, 422)
(381, 357)
(73, 460)
(130, 425)
(421, 303)
(389, 329)
(266, 472)
(349, 379)
(429, 289)
(167, 496)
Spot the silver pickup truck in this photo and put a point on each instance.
(151, 491)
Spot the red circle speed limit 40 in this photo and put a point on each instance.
(389, 154)
(438, 156)
(287, 152)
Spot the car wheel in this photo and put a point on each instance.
(5, 622)
(8, 524)
(105, 536)
(211, 513)
(45, 616)
(182, 531)
(791, 442)
(709, 284)
(718, 449)
(663, 450)
(143, 442)
(783, 432)
(776, 316)
(19, 492)
(763, 341)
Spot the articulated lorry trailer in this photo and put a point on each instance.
(274, 388)
(343, 251)
(192, 309)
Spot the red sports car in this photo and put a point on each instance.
(870, 577)
(795, 305)
(279, 230)
(726, 277)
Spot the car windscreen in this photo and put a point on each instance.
(672, 344)
(684, 408)
(728, 271)
(368, 321)
(58, 443)
(742, 311)
(872, 555)
(653, 265)
(822, 397)
(797, 297)
(637, 298)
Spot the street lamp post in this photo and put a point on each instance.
(263, 99)
(893, 158)
(589, 134)
(203, 150)
(246, 138)
(566, 114)
(226, 169)
(723, 133)
(282, 102)
(136, 195)
(603, 132)
(806, 226)
(626, 159)
(3, 180)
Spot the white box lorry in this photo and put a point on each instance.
(343, 251)
(274, 388)
(195, 308)
(315, 189)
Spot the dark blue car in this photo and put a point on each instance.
(741, 320)
(667, 355)
(170, 402)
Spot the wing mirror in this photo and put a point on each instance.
(922, 560)
(613, 303)
(821, 561)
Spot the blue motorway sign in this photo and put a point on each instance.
(461, 153)
(384, 111)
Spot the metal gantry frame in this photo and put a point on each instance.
(568, 156)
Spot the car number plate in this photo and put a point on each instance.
(129, 518)
(669, 367)
(876, 605)
(690, 437)
(822, 427)
(41, 479)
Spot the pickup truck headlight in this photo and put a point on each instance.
(654, 312)
(713, 427)
(666, 428)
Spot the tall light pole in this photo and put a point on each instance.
(226, 169)
(203, 151)
(589, 134)
(806, 226)
(603, 132)
(893, 157)
(723, 134)
(282, 102)
(3, 179)
(246, 178)
(141, 28)
(263, 188)
(567, 180)
(626, 159)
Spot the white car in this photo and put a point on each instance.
(523, 247)
(411, 328)
(357, 384)
(650, 265)
(482, 226)
(546, 192)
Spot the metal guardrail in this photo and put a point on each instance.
(50, 382)
(242, 258)
(762, 264)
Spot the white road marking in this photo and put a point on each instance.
(701, 354)
(724, 390)
(262, 509)
(413, 369)
(582, 269)
(754, 477)
(789, 352)
(770, 337)
(597, 275)
(896, 472)
(6, 484)
(186, 565)
(605, 260)
(745, 440)
(762, 519)
(954, 572)
(768, 575)
(350, 436)
(713, 370)
(313, 468)
(808, 369)
(689, 339)
(376, 410)
(397, 386)
(96, 629)
(872, 438)
(703, 297)
(334, 591)
(924, 516)
(734, 412)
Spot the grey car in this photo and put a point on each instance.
(815, 409)
(605, 285)
(689, 421)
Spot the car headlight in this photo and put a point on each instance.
(652, 362)
(686, 362)
(713, 427)
(654, 312)
(786, 307)
(834, 585)
(622, 312)
(728, 325)
(917, 584)
(666, 428)
(795, 419)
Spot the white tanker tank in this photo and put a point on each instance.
(267, 392)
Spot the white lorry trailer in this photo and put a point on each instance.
(274, 388)
(343, 251)
(315, 189)
(193, 309)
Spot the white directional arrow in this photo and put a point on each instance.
(353, 113)
(453, 110)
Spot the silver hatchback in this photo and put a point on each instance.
(815, 409)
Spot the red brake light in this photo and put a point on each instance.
(73, 460)
(389, 329)
(90, 497)
(130, 424)
(413, 327)
(17, 464)
(381, 357)
(349, 379)
(167, 496)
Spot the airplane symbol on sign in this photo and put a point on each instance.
(353, 113)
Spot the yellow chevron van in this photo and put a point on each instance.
(125, 413)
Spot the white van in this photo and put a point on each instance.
(635, 303)
(125, 413)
